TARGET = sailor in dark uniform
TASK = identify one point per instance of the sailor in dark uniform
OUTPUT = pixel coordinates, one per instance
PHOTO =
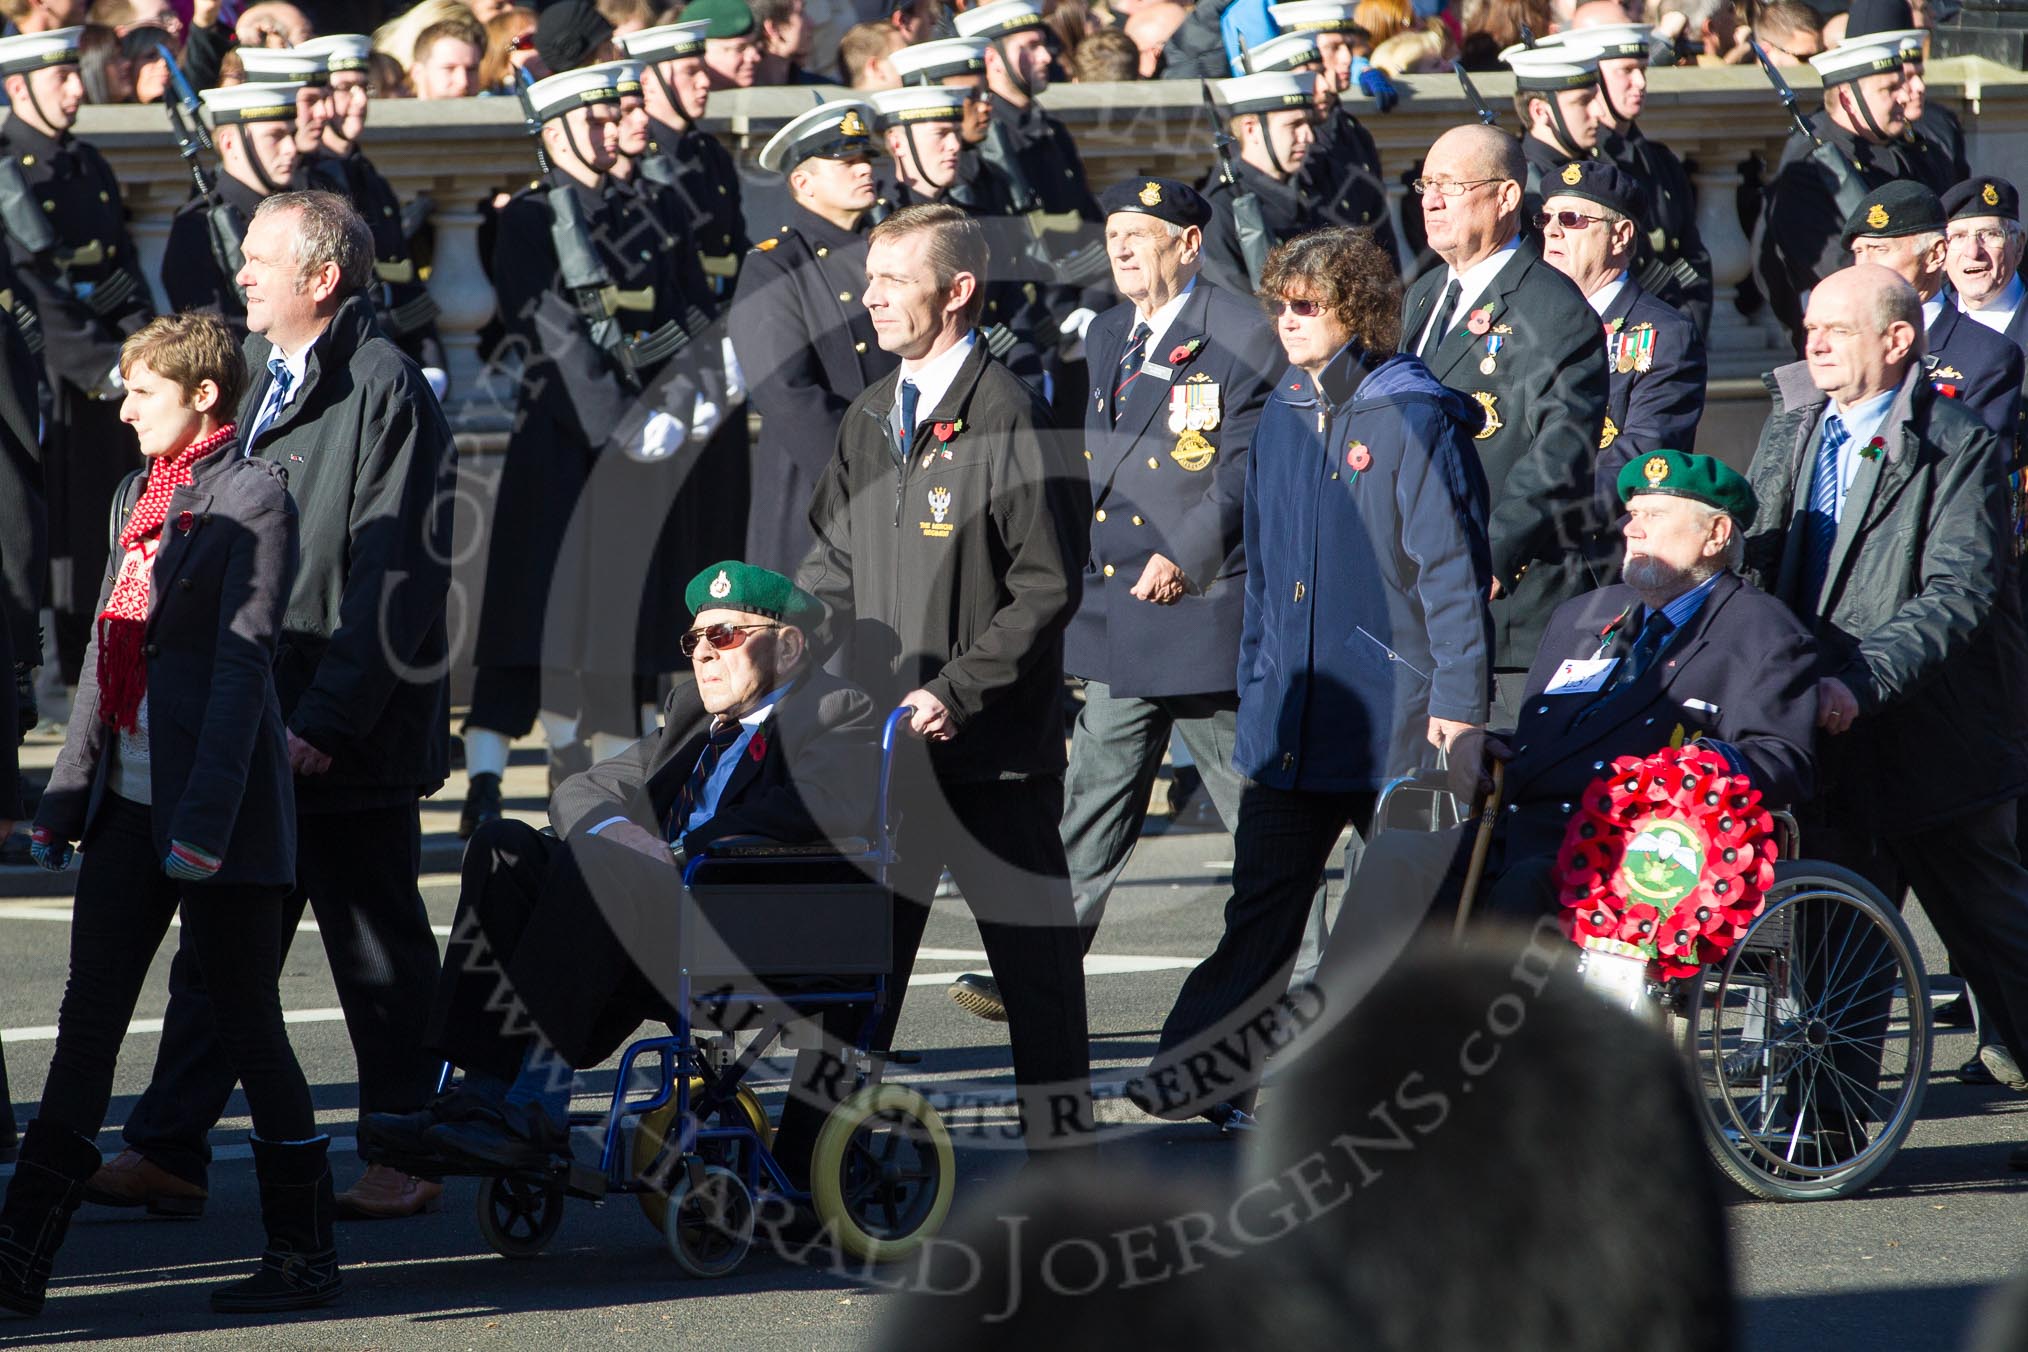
(799, 325)
(76, 268)
(1806, 202)
(1670, 260)
(613, 409)
(675, 87)
(1589, 223)
(1901, 227)
(1933, 147)
(1017, 72)
(254, 128)
(1556, 95)
(401, 302)
(1269, 117)
(960, 64)
(1341, 174)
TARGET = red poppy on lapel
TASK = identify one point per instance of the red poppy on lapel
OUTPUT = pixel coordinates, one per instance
(757, 747)
(184, 521)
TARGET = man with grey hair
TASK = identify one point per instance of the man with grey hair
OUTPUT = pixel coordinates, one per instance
(361, 671)
(1884, 526)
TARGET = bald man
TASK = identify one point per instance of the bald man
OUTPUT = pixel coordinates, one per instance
(1884, 526)
(1151, 27)
(1501, 325)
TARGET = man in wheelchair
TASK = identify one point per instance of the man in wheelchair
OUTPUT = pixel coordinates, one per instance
(554, 955)
(1682, 649)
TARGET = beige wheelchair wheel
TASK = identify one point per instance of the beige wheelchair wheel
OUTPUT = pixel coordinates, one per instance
(882, 1172)
(744, 1111)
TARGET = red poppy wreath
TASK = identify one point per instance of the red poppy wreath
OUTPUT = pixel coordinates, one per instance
(1670, 855)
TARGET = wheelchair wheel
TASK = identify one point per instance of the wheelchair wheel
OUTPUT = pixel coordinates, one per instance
(882, 1172)
(653, 1128)
(1811, 1040)
(710, 1226)
(518, 1216)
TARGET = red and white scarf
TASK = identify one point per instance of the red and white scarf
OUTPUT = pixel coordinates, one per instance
(122, 672)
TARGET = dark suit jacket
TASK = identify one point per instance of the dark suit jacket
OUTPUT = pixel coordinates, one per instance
(813, 779)
(218, 757)
(1157, 488)
(1546, 401)
(1976, 366)
(1655, 409)
(1742, 672)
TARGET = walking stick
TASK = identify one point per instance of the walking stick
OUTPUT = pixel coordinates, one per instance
(1482, 845)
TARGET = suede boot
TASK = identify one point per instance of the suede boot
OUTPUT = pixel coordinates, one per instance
(299, 1268)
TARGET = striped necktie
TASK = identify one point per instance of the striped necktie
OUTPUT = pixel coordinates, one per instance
(1130, 365)
(271, 407)
(1820, 521)
(715, 746)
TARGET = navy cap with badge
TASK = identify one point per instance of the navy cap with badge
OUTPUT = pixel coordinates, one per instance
(1982, 196)
(1894, 210)
(21, 53)
(839, 130)
(1600, 181)
(1166, 199)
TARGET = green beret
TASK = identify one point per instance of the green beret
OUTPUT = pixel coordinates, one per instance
(728, 18)
(1701, 478)
(733, 585)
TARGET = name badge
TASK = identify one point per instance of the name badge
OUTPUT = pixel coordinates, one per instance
(1581, 675)
(1159, 372)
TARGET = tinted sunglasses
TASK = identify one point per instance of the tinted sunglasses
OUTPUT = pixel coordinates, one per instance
(1568, 220)
(1305, 309)
(723, 637)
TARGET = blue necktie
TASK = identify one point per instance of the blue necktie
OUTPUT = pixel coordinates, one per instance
(278, 394)
(910, 395)
(1131, 361)
(692, 796)
(1820, 521)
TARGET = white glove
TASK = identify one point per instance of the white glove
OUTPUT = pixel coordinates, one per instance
(439, 381)
(1076, 322)
(705, 417)
(735, 379)
(661, 437)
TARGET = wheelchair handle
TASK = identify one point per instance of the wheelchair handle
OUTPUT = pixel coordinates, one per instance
(889, 731)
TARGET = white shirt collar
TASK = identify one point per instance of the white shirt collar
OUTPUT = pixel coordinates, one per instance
(1931, 310)
(933, 378)
(1603, 298)
(1472, 284)
(1998, 313)
(1159, 322)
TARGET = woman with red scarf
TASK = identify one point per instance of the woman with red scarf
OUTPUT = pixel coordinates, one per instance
(175, 779)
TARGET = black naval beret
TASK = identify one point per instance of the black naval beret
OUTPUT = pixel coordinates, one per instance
(1865, 17)
(1166, 199)
(1982, 196)
(1599, 181)
(1892, 210)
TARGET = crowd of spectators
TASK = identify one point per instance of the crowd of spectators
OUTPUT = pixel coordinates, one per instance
(448, 49)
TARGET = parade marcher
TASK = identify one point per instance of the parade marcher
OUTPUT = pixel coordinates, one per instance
(960, 64)
(1341, 174)
(67, 238)
(254, 129)
(1805, 204)
(1599, 689)
(760, 744)
(799, 325)
(1269, 117)
(681, 155)
(620, 391)
(1184, 369)
(199, 820)
(1933, 147)
(1901, 227)
(1500, 324)
(1366, 646)
(1589, 223)
(959, 613)
(361, 669)
(1885, 528)
(1983, 240)
(1556, 96)
(1044, 155)
(1671, 263)
(401, 302)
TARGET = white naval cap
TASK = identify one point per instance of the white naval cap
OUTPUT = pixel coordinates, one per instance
(626, 74)
(667, 42)
(340, 51)
(1266, 92)
(1851, 61)
(282, 65)
(25, 52)
(836, 130)
(928, 62)
(919, 103)
(1614, 39)
(1284, 51)
(998, 19)
(1314, 16)
(253, 101)
(1564, 64)
(558, 94)
(1903, 39)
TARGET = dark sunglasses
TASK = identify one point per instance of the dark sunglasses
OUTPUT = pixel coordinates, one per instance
(723, 637)
(1568, 220)
(1305, 309)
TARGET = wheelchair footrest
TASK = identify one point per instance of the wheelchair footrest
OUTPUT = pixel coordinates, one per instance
(585, 1182)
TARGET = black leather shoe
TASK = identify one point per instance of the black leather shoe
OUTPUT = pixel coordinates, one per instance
(1955, 1013)
(1974, 1072)
(402, 1136)
(482, 804)
(524, 1138)
(2006, 1071)
(979, 995)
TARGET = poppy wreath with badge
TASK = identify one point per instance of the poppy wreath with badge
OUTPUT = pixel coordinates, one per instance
(1669, 856)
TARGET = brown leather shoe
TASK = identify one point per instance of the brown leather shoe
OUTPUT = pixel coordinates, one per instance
(384, 1194)
(132, 1179)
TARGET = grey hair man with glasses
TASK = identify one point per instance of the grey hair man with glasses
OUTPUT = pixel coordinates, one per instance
(1982, 234)
(1500, 324)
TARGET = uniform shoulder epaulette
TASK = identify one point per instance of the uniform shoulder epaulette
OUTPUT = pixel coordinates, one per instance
(764, 245)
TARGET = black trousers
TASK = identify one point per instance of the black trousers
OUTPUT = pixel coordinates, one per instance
(1000, 841)
(506, 700)
(357, 872)
(233, 934)
(1280, 850)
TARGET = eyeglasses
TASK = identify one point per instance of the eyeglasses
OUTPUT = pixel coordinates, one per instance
(1991, 238)
(1306, 309)
(1567, 220)
(723, 637)
(1449, 187)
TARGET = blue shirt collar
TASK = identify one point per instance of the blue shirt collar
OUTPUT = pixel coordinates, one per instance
(1681, 610)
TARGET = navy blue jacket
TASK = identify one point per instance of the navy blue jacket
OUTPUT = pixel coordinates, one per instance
(1647, 410)
(1161, 487)
(1976, 366)
(1366, 609)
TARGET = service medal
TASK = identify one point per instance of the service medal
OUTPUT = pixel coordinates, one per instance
(1192, 451)
(1609, 434)
(1488, 403)
(1643, 341)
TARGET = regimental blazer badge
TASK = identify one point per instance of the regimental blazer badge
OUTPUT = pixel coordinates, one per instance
(1490, 404)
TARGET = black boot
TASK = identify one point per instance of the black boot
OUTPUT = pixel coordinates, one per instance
(482, 804)
(299, 1269)
(48, 1185)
